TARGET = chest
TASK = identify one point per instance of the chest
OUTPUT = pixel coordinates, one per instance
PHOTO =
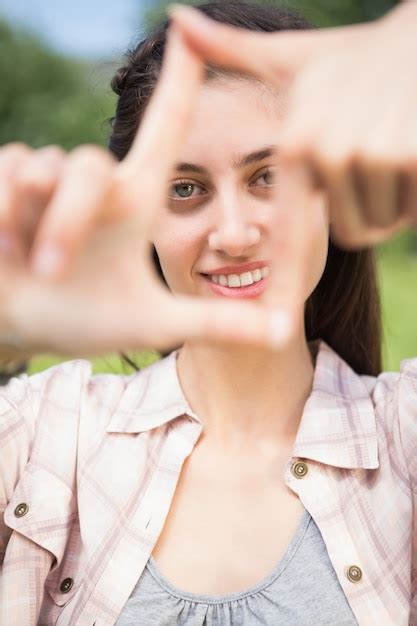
(221, 535)
(210, 526)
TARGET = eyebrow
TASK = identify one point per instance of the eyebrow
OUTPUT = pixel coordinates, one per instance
(239, 160)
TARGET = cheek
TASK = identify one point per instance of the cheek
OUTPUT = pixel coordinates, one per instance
(177, 245)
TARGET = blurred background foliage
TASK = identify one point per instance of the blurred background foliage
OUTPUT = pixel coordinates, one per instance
(322, 13)
(47, 98)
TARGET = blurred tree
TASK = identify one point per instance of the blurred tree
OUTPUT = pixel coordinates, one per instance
(329, 13)
(319, 12)
(46, 98)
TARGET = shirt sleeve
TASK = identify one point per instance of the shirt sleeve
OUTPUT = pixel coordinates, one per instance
(407, 414)
(22, 401)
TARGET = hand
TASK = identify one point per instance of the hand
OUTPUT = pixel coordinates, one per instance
(75, 269)
(351, 125)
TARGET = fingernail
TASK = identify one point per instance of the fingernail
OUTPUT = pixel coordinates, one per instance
(280, 328)
(47, 261)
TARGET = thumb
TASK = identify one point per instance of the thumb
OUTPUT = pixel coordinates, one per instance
(267, 55)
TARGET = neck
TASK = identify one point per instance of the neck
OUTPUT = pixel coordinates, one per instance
(246, 396)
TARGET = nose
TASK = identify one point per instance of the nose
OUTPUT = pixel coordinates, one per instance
(233, 234)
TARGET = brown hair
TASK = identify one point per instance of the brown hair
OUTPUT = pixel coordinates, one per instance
(344, 308)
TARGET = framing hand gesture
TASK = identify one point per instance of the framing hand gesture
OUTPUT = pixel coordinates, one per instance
(76, 271)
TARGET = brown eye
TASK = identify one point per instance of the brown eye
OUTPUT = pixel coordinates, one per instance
(183, 190)
(270, 178)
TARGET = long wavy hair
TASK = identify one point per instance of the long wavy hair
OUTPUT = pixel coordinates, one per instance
(344, 308)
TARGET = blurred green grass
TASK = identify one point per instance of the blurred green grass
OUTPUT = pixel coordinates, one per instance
(397, 263)
(397, 269)
(111, 363)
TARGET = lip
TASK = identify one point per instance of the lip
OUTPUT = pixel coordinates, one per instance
(250, 291)
(238, 269)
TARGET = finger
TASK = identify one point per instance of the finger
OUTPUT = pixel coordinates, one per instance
(295, 223)
(378, 182)
(12, 157)
(375, 235)
(144, 173)
(173, 320)
(349, 227)
(73, 210)
(218, 321)
(267, 55)
(39, 173)
(36, 182)
(168, 321)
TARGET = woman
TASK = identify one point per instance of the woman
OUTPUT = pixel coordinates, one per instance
(223, 484)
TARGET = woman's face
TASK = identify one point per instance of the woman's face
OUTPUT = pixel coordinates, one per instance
(218, 216)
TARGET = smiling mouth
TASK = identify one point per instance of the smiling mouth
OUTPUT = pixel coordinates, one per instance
(238, 281)
(236, 290)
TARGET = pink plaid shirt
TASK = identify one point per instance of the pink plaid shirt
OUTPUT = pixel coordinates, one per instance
(89, 466)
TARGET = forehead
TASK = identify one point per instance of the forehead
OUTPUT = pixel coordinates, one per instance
(231, 116)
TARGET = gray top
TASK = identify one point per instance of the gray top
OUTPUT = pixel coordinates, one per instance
(301, 590)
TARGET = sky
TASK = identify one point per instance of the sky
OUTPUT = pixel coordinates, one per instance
(97, 29)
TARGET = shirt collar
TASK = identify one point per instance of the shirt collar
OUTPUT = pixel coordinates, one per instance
(337, 426)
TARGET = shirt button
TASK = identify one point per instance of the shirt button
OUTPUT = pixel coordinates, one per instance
(354, 573)
(66, 585)
(21, 509)
(299, 469)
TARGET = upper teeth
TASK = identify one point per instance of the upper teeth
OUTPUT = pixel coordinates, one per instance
(240, 280)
